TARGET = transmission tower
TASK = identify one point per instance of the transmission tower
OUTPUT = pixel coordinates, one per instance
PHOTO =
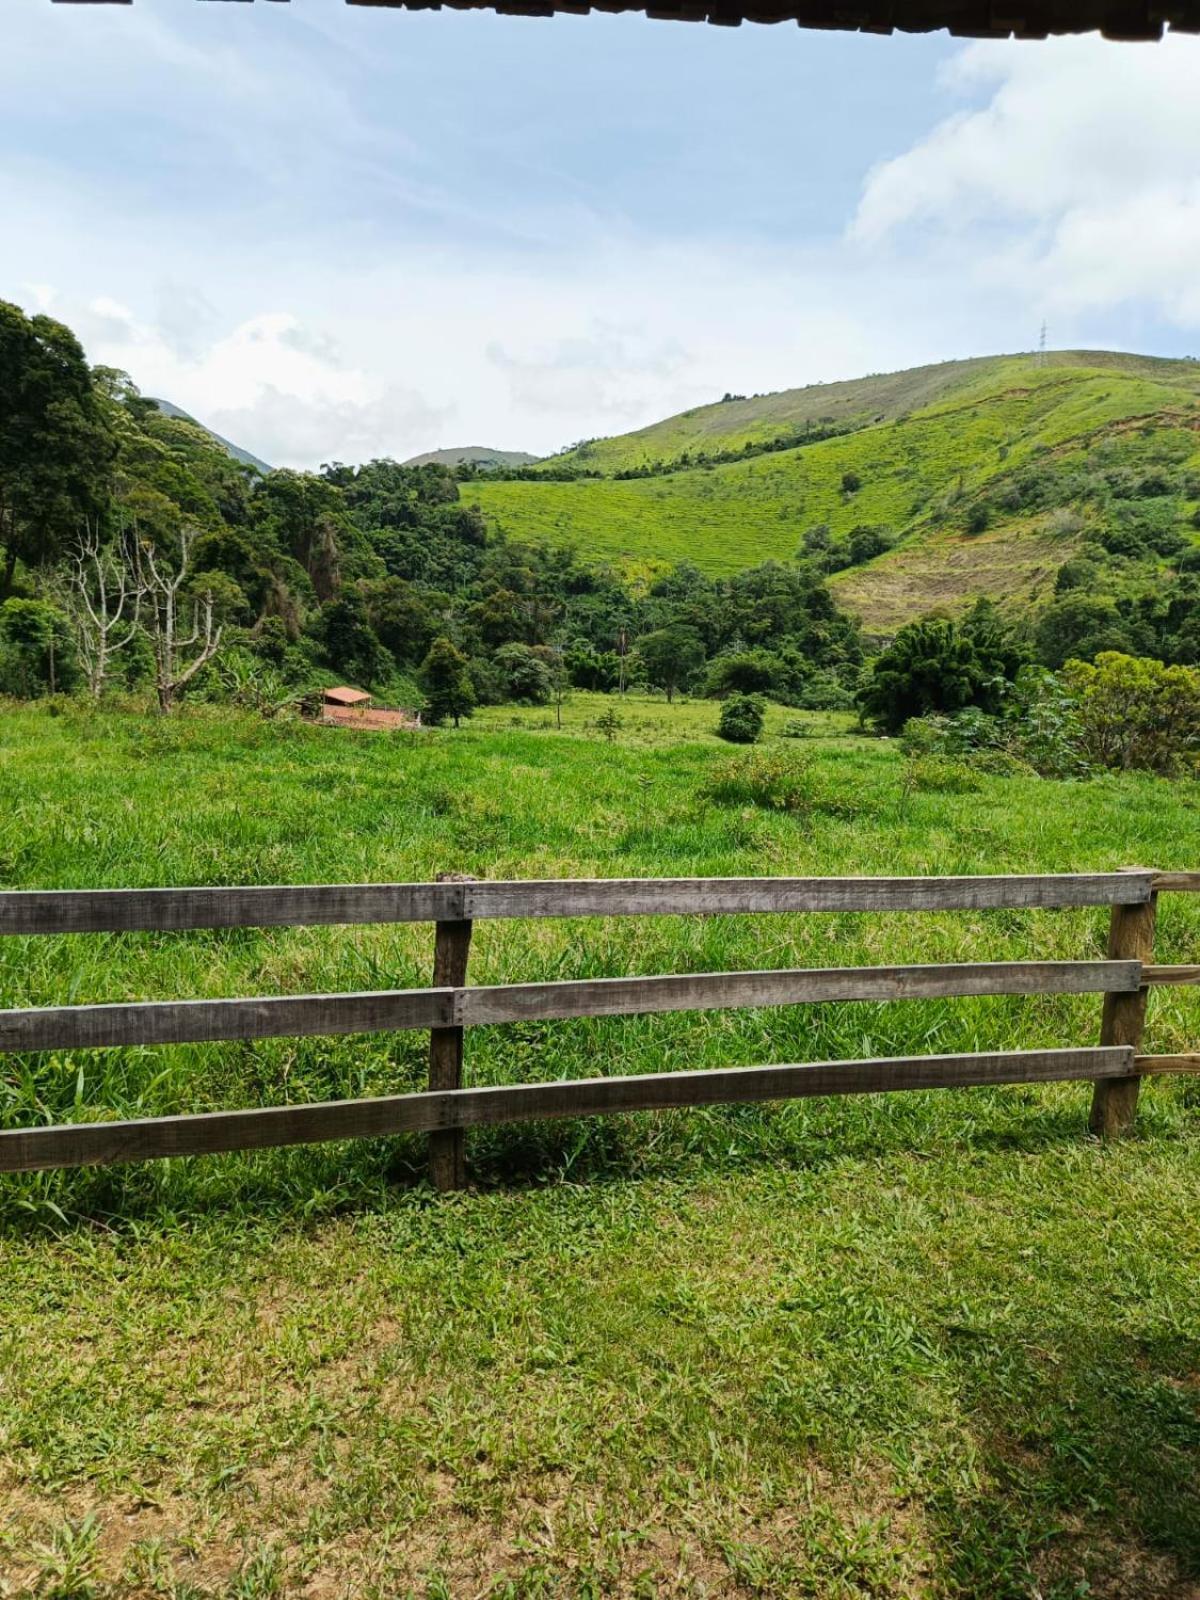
(1041, 356)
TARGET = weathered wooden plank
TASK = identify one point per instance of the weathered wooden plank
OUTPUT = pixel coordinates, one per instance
(447, 1150)
(1153, 1065)
(191, 1021)
(1130, 937)
(1178, 882)
(713, 896)
(169, 910)
(1157, 973)
(27, 1150)
(610, 997)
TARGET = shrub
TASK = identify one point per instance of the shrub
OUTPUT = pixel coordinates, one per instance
(741, 719)
(1136, 712)
(979, 517)
(941, 775)
(776, 780)
(851, 483)
(943, 666)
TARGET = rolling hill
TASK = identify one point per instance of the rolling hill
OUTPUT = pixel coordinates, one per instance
(941, 457)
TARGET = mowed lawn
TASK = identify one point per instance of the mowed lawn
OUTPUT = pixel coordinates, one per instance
(939, 1345)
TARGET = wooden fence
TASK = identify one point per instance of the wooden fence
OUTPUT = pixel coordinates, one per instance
(450, 1006)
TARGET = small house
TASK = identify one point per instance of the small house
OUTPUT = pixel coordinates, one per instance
(345, 707)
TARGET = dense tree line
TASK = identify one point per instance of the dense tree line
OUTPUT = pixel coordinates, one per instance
(135, 551)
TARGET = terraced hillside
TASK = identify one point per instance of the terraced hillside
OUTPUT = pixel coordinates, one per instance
(931, 474)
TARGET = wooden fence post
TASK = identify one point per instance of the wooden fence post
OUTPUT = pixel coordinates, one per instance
(452, 947)
(1130, 938)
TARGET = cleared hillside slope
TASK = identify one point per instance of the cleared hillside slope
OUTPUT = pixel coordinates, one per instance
(920, 473)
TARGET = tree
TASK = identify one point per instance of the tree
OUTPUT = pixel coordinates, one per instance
(102, 597)
(352, 645)
(55, 449)
(741, 719)
(182, 618)
(851, 483)
(35, 649)
(937, 665)
(1136, 712)
(446, 679)
(671, 658)
(527, 678)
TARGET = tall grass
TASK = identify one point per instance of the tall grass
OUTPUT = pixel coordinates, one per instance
(210, 798)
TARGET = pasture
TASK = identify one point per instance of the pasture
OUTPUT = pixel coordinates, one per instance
(939, 1345)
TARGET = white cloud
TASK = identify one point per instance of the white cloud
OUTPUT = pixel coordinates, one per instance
(1080, 177)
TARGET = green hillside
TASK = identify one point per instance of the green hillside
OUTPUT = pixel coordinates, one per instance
(983, 428)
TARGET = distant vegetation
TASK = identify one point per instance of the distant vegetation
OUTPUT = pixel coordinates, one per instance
(138, 556)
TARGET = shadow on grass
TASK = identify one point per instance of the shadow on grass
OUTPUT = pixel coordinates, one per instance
(1089, 1480)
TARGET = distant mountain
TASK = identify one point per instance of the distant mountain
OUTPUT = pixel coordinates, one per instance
(235, 450)
(478, 455)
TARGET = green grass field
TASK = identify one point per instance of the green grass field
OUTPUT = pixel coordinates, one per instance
(936, 1345)
(1009, 414)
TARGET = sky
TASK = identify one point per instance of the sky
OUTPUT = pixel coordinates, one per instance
(334, 233)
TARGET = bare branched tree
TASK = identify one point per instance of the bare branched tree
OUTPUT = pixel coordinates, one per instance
(180, 620)
(101, 593)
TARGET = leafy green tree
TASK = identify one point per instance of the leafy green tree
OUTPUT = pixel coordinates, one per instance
(527, 677)
(937, 665)
(37, 653)
(741, 719)
(671, 657)
(446, 679)
(55, 449)
(851, 483)
(865, 543)
(1136, 712)
(351, 644)
(1080, 624)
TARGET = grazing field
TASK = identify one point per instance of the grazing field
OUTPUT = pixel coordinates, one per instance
(938, 1345)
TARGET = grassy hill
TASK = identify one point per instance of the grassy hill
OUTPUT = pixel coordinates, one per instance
(925, 446)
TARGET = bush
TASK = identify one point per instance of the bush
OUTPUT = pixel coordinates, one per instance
(979, 517)
(776, 780)
(940, 666)
(1136, 712)
(741, 719)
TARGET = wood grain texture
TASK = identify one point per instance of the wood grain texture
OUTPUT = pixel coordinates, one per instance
(169, 910)
(1172, 975)
(720, 896)
(193, 1021)
(173, 910)
(612, 997)
(447, 1150)
(27, 1150)
(445, 1009)
(1130, 937)
(1177, 882)
(1153, 1065)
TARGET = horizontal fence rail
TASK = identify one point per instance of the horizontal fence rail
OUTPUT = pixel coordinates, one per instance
(90, 1144)
(383, 1011)
(174, 910)
(451, 1006)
